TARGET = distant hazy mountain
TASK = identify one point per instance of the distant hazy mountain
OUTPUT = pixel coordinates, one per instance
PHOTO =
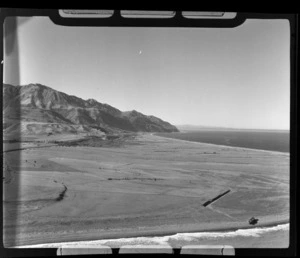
(56, 111)
(203, 127)
(187, 127)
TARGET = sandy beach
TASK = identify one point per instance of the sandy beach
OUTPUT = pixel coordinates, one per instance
(148, 186)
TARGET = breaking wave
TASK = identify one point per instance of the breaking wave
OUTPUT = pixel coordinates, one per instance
(182, 237)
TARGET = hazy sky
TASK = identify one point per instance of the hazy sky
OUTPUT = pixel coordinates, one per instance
(229, 77)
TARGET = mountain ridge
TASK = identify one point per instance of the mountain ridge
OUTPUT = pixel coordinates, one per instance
(37, 103)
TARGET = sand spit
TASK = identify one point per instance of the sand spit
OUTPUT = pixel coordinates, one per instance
(114, 191)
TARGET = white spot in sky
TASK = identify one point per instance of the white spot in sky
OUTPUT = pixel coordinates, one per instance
(140, 52)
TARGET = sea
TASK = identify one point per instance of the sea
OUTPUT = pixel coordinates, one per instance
(254, 139)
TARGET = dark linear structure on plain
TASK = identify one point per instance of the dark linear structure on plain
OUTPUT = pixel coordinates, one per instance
(216, 198)
(62, 194)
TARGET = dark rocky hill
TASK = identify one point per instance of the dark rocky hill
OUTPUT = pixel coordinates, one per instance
(38, 104)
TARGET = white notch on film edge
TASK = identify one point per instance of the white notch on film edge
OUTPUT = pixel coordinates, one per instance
(208, 15)
(147, 14)
(70, 13)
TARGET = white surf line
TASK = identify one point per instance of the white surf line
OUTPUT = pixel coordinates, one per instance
(224, 146)
(160, 240)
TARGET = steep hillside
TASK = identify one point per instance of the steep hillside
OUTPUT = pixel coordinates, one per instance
(148, 123)
(36, 104)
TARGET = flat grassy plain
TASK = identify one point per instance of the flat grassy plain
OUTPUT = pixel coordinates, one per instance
(145, 185)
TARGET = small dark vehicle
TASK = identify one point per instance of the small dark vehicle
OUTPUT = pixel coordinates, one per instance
(253, 221)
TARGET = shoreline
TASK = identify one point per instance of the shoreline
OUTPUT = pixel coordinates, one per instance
(111, 236)
(227, 146)
(202, 220)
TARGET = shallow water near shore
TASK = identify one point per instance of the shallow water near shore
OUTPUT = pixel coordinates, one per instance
(274, 237)
(263, 140)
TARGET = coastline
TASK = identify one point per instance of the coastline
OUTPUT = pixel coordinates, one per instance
(150, 208)
(224, 146)
(158, 237)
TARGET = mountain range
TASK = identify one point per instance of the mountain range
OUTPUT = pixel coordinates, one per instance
(41, 109)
